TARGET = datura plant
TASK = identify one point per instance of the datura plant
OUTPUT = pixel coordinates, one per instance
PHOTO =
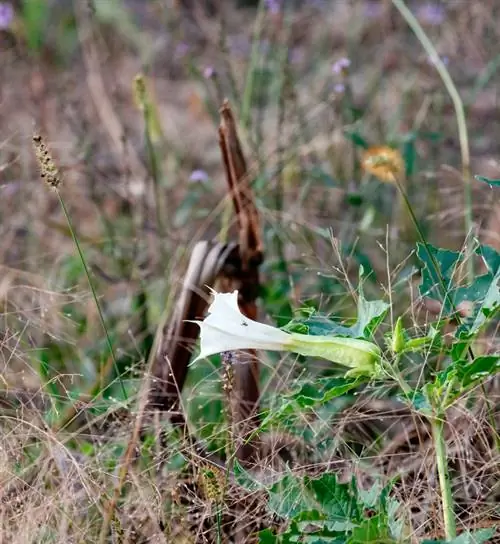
(227, 329)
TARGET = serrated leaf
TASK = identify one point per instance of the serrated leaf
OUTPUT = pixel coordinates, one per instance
(321, 390)
(483, 293)
(437, 284)
(268, 537)
(478, 370)
(489, 181)
(289, 497)
(245, 479)
(338, 501)
(370, 314)
(371, 530)
(463, 375)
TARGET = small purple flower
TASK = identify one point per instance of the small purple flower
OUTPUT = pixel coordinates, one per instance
(181, 50)
(209, 72)
(431, 13)
(339, 88)
(274, 6)
(445, 60)
(6, 15)
(341, 66)
(373, 9)
(297, 55)
(199, 176)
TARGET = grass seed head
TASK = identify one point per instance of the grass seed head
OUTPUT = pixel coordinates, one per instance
(48, 168)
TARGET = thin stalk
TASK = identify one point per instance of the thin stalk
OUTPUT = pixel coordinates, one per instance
(92, 289)
(155, 175)
(279, 192)
(458, 105)
(246, 101)
(437, 424)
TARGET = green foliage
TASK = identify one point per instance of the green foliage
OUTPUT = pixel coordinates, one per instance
(35, 14)
(459, 377)
(306, 395)
(370, 315)
(475, 537)
(438, 283)
(489, 181)
(325, 510)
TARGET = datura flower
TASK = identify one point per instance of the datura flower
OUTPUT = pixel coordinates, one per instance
(227, 329)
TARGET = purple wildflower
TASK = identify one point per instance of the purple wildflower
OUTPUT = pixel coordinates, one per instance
(373, 9)
(6, 15)
(445, 60)
(209, 72)
(274, 6)
(297, 55)
(431, 13)
(199, 176)
(339, 88)
(181, 50)
(341, 66)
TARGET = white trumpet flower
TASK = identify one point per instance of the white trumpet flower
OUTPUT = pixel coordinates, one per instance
(227, 329)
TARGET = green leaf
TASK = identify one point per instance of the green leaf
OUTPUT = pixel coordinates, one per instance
(478, 370)
(316, 392)
(268, 537)
(337, 500)
(491, 182)
(356, 138)
(289, 497)
(421, 402)
(458, 377)
(476, 537)
(370, 314)
(325, 510)
(245, 479)
(483, 293)
(371, 530)
(467, 374)
(437, 284)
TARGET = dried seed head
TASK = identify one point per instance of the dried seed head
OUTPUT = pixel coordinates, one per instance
(139, 91)
(48, 168)
(213, 484)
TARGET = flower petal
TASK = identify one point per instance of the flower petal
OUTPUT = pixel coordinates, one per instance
(227, 329)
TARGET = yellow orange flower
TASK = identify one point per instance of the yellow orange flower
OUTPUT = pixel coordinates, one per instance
(383, 162)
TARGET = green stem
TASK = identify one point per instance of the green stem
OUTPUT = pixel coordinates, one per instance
(435, 264)
(437, 423)
(93, 291)
(458, 105)
(246, 102)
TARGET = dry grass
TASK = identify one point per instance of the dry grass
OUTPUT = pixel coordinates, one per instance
(59, 460)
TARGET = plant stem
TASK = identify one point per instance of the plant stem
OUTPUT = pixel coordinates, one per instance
(435, 264)
(93, 291)
(458, 105)
(437, 423)
(246, 101)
